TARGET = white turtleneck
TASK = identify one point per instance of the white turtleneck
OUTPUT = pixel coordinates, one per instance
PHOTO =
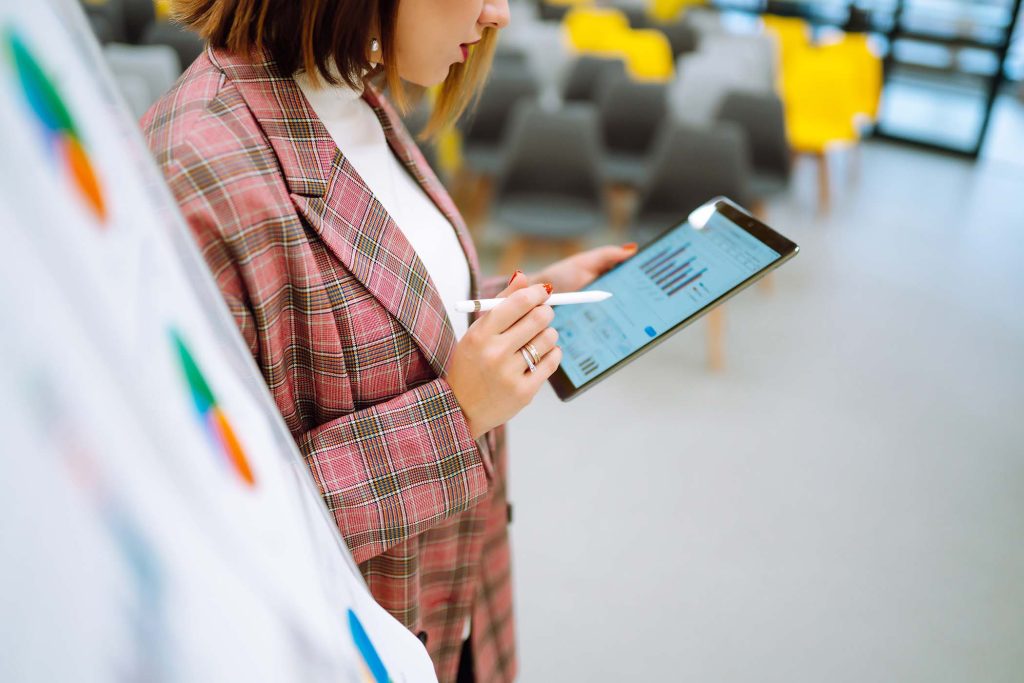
(358, 133)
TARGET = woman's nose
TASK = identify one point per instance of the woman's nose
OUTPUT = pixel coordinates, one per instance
(495, 14)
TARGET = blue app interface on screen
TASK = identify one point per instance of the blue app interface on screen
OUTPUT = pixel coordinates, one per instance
(681, 273)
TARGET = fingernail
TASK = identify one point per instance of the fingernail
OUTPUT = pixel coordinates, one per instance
(630, 246)
(548, 287)
(514, 275)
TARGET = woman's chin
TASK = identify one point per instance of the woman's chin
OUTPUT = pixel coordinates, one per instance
(429, 80)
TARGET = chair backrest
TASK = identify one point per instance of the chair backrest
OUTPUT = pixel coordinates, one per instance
(751, 60)
(691, 166)
(705, 21)
(763, 121)
(669, 10)
(701, 83)
(138, 15)
(588, 75)
(136, 92)
(486, 122)
(682, 37)
(631, 115)
(107, 18)
(648, 55)
(187, 44)
(595, 28)
(553, 153)
(156, 65)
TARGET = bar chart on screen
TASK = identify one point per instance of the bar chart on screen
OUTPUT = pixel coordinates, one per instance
(673, 269)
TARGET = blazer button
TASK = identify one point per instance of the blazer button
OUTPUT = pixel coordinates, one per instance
(422, 635)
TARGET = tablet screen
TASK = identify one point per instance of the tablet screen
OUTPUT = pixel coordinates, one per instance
(673, 278)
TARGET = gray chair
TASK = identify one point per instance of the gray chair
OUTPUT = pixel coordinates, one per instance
(156, 66)
(107, 20)
(682, 37)
(588, 75)
(691, 166)
(637, 16)
(751, 60)
(550, 188)
(631, 115)
(187, 44)
(762, 119)
(484, 125)
(138, 15)
(510, 56)
(702, 82)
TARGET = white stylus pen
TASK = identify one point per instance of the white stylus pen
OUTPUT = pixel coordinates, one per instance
(474, 305)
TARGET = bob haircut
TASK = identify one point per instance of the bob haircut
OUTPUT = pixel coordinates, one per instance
(329, 39)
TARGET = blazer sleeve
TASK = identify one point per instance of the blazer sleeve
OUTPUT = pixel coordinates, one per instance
(387, 472)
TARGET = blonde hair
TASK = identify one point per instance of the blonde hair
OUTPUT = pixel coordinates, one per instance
(333, 33)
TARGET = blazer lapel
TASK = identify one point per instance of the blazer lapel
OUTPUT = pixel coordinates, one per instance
(342, 210)
(405, 148)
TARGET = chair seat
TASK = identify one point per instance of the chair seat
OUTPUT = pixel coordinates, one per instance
(549, 216)
(625, 169)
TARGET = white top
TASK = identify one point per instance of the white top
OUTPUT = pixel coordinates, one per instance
(357, 132)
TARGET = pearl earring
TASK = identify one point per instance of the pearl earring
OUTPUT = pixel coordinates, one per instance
(374, 45)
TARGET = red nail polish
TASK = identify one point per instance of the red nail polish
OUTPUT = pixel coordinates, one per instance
(518, 272)
(630, 246)
(548, 287)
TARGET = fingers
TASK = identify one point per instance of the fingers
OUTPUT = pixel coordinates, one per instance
(547, 366)
(515, 283)
(542, 343)
(516, 305)
(528, 327)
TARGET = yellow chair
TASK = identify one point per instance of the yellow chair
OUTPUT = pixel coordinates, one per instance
(867, 73)
(821, 107)
(793, 34)
(648, 55)
(669, 10)
(595, 29)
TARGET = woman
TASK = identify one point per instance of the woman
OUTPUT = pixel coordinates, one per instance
(339, 253)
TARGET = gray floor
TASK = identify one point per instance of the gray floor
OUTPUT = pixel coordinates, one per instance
(845, 502)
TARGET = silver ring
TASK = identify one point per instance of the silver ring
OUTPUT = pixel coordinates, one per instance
(529, 361)
(533, 352)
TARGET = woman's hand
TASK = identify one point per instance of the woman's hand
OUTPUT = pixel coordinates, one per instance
(488, 373)
(579, 270)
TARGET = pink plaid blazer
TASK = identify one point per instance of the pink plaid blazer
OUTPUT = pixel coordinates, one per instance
(353, 341)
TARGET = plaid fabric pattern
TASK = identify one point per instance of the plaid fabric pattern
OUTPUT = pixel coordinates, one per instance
(353, 340)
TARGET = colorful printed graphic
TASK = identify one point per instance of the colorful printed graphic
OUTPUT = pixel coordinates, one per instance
(58, 127)
(374, 665)
(210, 414)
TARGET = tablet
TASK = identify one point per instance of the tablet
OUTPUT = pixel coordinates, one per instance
(676, 278)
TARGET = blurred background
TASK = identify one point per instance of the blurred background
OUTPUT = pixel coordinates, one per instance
(825, 479)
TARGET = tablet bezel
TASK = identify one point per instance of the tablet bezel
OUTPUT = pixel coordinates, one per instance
(786, 249)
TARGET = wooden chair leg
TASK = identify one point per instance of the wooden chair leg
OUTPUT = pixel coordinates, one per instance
(620, 198)
(716, 339)
(512, 255)
(478, 203)
(824, 182)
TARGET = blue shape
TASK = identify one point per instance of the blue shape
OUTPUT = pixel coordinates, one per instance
(650, 331)
(366, 649)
